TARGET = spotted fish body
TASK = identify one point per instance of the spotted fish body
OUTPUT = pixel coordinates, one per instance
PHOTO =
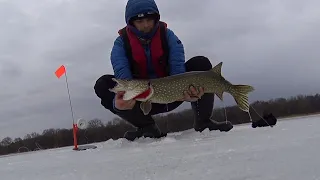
(170, 89)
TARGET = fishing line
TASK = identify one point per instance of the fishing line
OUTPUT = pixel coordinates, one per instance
(83, 124)
(260, 116)
(84, 134)
(225, 111)
(24, 148)
(167, 118)
(38, 146)
(250, 116)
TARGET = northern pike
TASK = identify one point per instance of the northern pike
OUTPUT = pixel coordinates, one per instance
(170, 89)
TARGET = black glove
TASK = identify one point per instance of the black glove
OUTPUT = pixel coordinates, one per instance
(268, 120)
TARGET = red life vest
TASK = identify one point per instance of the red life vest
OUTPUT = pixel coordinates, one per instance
(136, 54)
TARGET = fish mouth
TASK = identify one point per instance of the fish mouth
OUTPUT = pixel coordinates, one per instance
(132, 90)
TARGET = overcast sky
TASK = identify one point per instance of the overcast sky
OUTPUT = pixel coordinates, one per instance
(272, 45)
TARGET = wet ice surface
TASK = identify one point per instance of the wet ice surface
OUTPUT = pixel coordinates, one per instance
(287, 151)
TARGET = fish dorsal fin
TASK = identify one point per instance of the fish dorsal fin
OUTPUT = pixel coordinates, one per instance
(217, 68)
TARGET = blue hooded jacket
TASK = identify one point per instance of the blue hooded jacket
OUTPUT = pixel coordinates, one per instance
(119, 60)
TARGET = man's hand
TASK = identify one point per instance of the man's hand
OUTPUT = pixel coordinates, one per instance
(123, 104)
(193, 94)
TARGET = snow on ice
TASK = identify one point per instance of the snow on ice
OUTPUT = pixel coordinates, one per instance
(287, 151)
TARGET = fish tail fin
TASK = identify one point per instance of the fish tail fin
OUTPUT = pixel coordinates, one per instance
(240, 95)
(239, 92)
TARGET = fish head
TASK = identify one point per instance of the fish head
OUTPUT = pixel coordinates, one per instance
(133, 89)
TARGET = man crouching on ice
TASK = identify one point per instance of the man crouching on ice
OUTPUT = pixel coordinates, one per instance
(146, 48)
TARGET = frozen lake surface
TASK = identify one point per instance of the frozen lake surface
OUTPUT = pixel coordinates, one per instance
(288, 151)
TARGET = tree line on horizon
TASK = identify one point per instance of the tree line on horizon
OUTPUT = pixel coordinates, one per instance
(97, 131)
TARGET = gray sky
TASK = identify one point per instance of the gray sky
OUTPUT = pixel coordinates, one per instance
(272, 45)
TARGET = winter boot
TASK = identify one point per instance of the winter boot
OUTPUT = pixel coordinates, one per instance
(145, 124)
(267, 120)
(151, 131)
(202, 112)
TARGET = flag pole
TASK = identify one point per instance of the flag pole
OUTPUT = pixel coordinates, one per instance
(59, 72)
(74, 126)
(67, 85)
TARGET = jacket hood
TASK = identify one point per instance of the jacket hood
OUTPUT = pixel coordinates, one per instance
(135, 7)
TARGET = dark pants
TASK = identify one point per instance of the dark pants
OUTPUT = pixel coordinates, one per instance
(135, 116)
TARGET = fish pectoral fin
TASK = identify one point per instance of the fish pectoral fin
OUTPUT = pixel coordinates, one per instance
(217, 68)
(146, 107)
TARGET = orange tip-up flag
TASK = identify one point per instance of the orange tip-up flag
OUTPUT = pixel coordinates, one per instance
(60, 71)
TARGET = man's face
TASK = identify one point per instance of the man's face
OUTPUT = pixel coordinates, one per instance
(144, 25)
